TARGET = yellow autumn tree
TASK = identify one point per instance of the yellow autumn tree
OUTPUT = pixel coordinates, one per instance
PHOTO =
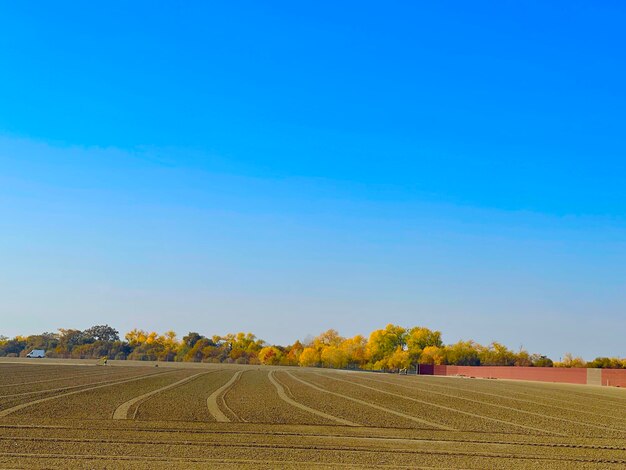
(152, 337)
(433, 355)
(400, 359)
(328, 338)
(334, 357)
(136, 336)
(310, 357)
(355, 350)
(169, 344)
(570, 361)
(383, 343)
(292, 357)
(270, 355)
(419, 338)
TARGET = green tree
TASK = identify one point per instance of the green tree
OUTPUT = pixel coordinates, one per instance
(101, 333)
(13, 347)
(538, 360)
(607, 363)
(463, 353)
(192, 338)
(496, 354)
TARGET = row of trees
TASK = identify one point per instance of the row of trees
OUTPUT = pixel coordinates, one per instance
(391, 348)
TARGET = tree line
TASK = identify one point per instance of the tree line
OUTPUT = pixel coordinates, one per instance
(391, 348)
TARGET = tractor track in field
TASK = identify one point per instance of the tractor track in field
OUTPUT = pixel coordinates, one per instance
(558, 394)
(70, 387)
(373, 405)
(204, 431)
(219, 396)
(328, 436)
(360, 450)
(420, 386)
(121, 412)
(91, 374)
(293, 418)
(603, 406)
(19, 407)
(280, 388)
(471, 400)
(443, 407)
(272, 463)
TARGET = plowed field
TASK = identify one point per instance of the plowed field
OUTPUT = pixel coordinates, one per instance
(132, 415)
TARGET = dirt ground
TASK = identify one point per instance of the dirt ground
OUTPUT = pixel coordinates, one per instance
(77, 414)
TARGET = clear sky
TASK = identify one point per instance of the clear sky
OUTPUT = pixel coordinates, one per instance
(288, 167)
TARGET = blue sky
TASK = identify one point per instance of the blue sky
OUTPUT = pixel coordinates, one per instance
(284, 168)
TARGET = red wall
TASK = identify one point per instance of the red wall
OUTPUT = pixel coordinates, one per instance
(541, 374)
(426, 369)
(614, 377)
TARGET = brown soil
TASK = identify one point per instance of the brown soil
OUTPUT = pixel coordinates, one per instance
(299, 418)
